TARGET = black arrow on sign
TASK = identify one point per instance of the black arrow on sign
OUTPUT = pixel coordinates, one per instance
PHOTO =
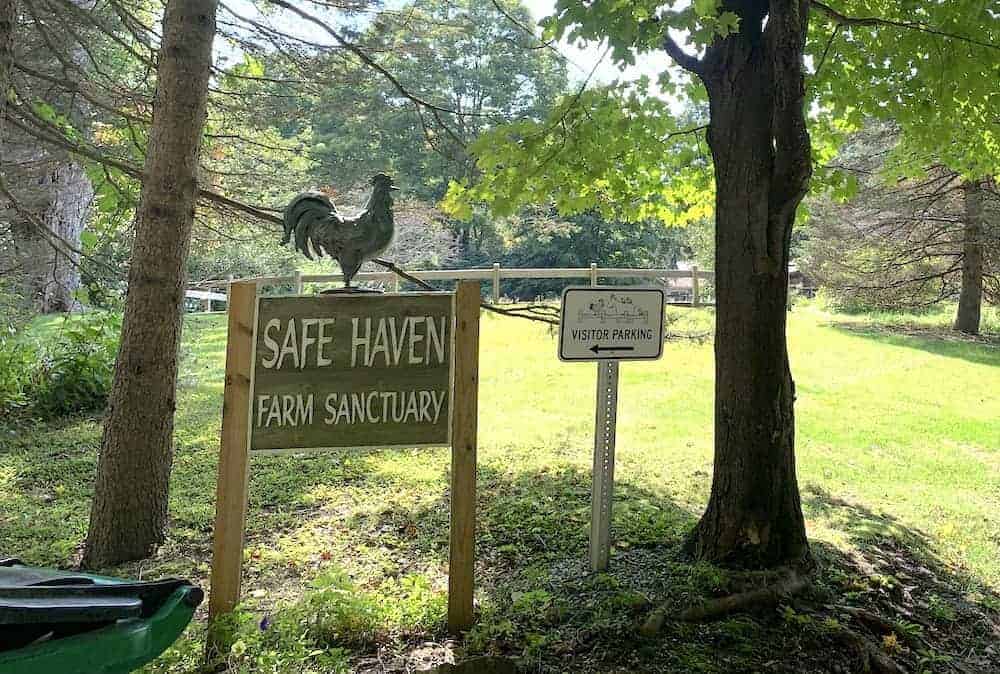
(597, 349)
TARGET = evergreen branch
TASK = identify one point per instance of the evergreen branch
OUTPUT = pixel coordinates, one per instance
(435, 110)
(76, 87)
(88, 17)
(53, 136)
(59, 244)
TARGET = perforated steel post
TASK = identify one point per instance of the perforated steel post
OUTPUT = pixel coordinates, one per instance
(604, 464)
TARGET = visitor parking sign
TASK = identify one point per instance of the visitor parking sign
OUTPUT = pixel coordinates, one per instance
(611, 323)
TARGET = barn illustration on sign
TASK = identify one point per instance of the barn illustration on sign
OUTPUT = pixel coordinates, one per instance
(616, 308)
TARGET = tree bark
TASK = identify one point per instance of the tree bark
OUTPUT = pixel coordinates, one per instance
(762, 158)
(57, 193)
(129, 512)
(970, 300)
(8, 19)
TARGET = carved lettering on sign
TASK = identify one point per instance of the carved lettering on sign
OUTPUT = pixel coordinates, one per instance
(352, 371)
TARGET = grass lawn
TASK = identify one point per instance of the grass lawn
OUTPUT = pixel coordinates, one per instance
(898, 427)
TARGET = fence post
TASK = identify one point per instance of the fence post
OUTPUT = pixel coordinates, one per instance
(395, 282)
(298, 282)
(229, 287)
(206, 305)
(496, 283)
(593, 273)
(695, 299)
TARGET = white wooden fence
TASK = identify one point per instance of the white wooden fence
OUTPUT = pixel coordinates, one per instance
(679, 283)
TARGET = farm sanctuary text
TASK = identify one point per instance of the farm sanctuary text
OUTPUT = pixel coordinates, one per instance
(351, 371)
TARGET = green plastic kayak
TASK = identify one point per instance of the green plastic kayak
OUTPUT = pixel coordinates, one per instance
(59, 622)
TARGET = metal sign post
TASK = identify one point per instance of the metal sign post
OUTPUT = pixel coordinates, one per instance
(604, 464)
(607, 325)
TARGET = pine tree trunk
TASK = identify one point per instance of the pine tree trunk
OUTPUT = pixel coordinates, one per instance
(762, 160)
(970, 301)
(129, 512)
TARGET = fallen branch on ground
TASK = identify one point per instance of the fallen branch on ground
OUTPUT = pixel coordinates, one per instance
(697, 336)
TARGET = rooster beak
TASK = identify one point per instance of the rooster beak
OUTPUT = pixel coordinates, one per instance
(393, 188)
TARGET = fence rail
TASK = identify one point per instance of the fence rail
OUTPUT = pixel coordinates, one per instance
(671, 278)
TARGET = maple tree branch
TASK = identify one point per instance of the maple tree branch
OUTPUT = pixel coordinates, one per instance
(826, 50)
(684, 132)
(842, 19)
(682, 58)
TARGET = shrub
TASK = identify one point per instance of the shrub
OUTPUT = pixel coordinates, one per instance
(75, 371)
(18, 360)
(335, 618)
(15, 307)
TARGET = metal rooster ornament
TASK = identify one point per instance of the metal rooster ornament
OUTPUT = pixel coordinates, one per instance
(314, 221)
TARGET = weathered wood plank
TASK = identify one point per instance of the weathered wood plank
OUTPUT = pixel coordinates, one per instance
(465, 416)
(352, 371)
(231, 488)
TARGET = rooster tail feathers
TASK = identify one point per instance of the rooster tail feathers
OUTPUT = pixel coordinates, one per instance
(301, 215)
(302, 237)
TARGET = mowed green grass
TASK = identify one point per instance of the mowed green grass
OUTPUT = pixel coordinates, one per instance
(898, 434)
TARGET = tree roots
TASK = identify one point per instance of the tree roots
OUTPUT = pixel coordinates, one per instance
(873, 658)
(714, 609)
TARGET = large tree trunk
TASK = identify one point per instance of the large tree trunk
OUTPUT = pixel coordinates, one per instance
(65, 216)
(129, 513)
(970, 301)
(761, 154)
(56, 194)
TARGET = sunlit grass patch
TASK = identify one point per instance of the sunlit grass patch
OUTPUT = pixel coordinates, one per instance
(898, 458)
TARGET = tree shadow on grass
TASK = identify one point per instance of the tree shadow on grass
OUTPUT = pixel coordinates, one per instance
(539, 603)
(537, 600)
(944, 617)
(984, 349)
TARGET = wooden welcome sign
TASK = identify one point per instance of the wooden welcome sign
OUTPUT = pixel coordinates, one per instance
(348, 371)
(352, 371)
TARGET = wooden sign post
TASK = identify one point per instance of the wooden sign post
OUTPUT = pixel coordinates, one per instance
(464, 420)
(343, 371)
(234, 464)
